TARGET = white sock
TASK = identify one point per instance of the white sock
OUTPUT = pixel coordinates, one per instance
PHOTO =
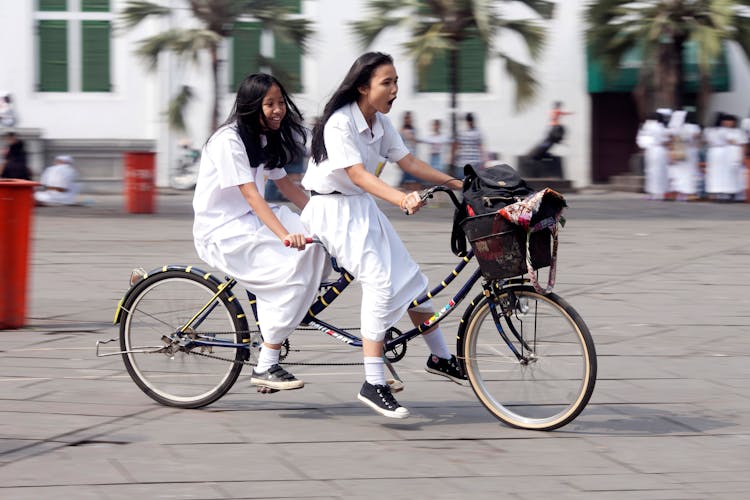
(267, 358)
(374, 370)
(436, 343)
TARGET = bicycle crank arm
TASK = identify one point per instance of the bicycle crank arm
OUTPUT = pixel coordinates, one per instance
(396, 384)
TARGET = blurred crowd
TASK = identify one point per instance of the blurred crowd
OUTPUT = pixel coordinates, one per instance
(685, 162)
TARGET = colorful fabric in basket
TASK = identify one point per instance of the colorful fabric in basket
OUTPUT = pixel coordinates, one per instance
(538, 211)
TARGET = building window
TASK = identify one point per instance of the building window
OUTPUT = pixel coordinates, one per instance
(245, 52)
(53, 5)
(472, 54)
(255, 49)
(73, 45)
(287, 58)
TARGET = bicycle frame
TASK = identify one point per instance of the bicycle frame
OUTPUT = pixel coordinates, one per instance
(353, 340)
(334, 289)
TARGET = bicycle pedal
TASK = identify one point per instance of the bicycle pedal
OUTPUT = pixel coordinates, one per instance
(396, 385)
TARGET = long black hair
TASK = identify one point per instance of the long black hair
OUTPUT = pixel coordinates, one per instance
(283, 145)
(359, 75)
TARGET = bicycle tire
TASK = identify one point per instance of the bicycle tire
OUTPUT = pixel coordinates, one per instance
(555, 385)
(160, 305)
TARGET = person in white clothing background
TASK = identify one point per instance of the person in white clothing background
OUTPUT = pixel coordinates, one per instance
(350, 145)
(438, 142)
(684, 159)
(724, 160)
(59, 183)
(238, 232)
(653, 138)
(736, 152)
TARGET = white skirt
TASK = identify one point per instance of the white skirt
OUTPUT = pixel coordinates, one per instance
(684, 177)
(284, 280)
(657, 177)
(721, 171)
(364, 242)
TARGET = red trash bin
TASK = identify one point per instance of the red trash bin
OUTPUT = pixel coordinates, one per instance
(140, 189)
(16, 209)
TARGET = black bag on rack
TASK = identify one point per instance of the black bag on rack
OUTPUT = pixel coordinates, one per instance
(485, 191)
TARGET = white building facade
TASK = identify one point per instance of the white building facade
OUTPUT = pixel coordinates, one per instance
(98, 112)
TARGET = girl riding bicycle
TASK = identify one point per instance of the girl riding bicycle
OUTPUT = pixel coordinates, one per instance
(350, 146)
(238, 232)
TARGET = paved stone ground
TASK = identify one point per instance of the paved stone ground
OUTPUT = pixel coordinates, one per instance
(662, 286)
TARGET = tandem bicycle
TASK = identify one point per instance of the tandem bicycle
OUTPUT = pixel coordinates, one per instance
(530, 359)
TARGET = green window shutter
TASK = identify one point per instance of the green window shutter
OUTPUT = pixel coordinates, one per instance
(471, 57)
(95, 36)
(95, 5)
(434, 78)
(53, 56)
(245, 53)
(288, 59)
(472, 54)
(53, 5)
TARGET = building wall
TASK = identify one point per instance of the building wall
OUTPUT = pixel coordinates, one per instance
(132, 115)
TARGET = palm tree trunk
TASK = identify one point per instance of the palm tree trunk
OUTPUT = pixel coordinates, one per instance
(704, 93)
(663, 78)
(214, 121)
(679, 97)
(453, 86)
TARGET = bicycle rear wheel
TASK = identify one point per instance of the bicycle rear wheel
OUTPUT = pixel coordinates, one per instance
(554, 378)
(164, 358)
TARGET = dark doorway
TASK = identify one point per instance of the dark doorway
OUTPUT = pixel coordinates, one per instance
(614, 125)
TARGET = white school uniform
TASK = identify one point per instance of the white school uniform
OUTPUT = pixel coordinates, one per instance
(715, 163)
(724, 160)
(684, 172)
(736, 158)
(229, 236)
(653, 137)
(353, 228)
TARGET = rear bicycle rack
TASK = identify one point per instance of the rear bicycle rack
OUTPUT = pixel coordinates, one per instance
(141, 350)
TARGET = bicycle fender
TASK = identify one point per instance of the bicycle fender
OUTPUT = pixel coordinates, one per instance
(188, 269)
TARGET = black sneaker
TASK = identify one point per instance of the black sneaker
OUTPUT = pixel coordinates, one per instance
(380, 399)
(276, 378)
(449, 368)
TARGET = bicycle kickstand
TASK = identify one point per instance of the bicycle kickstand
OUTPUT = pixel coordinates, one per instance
(396, 384)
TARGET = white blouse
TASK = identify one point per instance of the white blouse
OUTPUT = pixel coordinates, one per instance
(218, 201)
(349, 141)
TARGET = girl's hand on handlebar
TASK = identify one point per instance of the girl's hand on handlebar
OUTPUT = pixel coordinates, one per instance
(412, 202)
(296, 240)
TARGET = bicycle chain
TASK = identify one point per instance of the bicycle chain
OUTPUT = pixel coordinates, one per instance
(250, 363)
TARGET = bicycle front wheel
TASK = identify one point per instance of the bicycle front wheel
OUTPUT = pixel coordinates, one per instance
(530, 358)
(166, 322)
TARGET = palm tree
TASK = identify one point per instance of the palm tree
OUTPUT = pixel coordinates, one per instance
(439, 26)
(661, 29)
(216, 19)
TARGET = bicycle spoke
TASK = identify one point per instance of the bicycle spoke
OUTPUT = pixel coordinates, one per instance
(187, 373)
(552, 380)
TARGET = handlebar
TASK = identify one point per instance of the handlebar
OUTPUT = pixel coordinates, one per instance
(428, 193)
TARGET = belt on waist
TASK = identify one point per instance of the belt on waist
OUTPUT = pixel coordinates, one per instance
(315, 193)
